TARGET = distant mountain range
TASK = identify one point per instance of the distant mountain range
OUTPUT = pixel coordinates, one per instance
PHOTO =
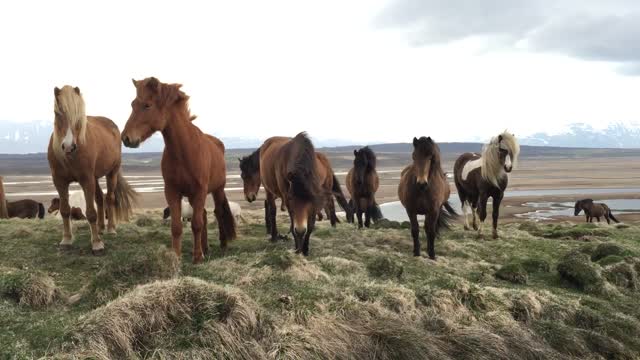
(33, 137)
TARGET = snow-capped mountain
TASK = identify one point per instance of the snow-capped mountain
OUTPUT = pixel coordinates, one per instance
(616, 135)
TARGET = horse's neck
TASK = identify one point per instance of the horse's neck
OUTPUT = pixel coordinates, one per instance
(179, 136)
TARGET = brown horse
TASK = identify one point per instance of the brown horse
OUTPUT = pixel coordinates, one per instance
(362, 183)
(288, 169)
(424, 190)
(25, 209)
(478, 177)
(3, 202)
(250, 174)
(76, 212)
(85, 148)
(192, 164)
(594, 210)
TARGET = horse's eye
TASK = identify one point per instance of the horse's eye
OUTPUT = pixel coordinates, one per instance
(147, 106)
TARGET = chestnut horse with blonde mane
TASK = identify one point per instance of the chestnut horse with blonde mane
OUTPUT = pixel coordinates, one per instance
(192, 164)
(289, 169)
(83, 149)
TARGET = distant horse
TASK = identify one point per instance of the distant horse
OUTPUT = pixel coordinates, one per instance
(192, 164)
(85, 148)
(25, 209)
(76, 212)
(362, 183)
(594, 210)
(288, 169)
(478, 177)
(250, 172)
(424, 190)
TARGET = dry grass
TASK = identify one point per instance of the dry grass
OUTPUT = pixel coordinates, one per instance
(28, 288)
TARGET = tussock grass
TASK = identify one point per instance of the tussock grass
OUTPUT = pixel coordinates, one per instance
(28, 288)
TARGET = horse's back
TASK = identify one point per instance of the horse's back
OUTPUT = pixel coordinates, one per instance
(324, 170)
(24, 209)
(461, 161)
(269, 153)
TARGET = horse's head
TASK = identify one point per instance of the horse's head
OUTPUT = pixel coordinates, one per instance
(508, 151)
(426, 156)
(250, 174)
(363, 162)
(70, 120)
(55, 205)
(580, 205)
(154, 106)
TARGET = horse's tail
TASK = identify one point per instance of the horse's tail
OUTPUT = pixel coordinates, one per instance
(126, 199)
(447, 215)
(342, 200)
(611, 214)
(40, 211)
(375, 214)
(226, 220)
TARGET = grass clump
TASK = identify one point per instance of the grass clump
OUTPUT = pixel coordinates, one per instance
(607, 249)
(282, 259)
(384, 267)
(514, 273)
(33, 289)
(623, 275)
(577, 268)
(533, 266)
(609, 260)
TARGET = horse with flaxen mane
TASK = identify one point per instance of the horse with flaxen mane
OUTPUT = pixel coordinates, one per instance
(25, 209)
(424, 190)
(85, 148)
(289, 169)
(250, 174)
(192, 163)
(594, 210)
(478, 177)
(362, 184)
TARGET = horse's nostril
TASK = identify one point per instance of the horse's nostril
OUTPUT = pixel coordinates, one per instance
(300, 231)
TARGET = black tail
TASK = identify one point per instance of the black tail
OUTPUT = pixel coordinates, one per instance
(342, 201)
(611, 215)
(40, 211)
(375, 214)
(447, 215)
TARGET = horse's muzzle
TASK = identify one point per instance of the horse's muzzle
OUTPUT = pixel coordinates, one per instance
(68, 150)
(508, 168)
(130, 143)
(300, 232)
(251, 197)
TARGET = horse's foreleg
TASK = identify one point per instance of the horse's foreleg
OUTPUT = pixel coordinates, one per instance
(204, 241)
(271, 216)
(495, 213)
(311, 221)
(112, 182)
(267, 219)
(100, 204)
(173, 200)
(367, 213)
(197, 222)
(330, 209)
(358, 212)
(415, 232)
(431, 228)
(65, 213)
(482, 211)
(474, 214)
(89, 188)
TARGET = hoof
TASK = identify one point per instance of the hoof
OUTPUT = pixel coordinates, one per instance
(98, 252)
(112, 231)
(495, 236)
(466, 228)
(198, 259)
(65, 247)
(475, 227)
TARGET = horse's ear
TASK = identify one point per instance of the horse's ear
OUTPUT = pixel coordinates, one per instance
(56, 91)
(355, 152)
(77, 90)
(415, 141)
(499, 138)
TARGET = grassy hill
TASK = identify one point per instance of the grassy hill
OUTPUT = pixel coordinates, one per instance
(541, 291)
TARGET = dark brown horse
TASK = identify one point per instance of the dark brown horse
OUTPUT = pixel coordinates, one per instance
(76, 212)
(362, 183)
(288, 169)
(83, 149)
(424, 190)
(478, 177)
(25, 209)
(192, 164)
(594, 210)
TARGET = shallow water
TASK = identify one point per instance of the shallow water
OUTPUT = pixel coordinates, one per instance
(551, 210)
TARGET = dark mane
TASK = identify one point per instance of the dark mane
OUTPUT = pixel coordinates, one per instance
(301, 169)
(428, 147)
(250, 164)
(369, 156)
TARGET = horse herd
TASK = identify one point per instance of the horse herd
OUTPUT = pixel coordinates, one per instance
(85, 148)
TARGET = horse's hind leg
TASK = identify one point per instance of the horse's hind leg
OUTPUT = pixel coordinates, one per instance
(112, 182)
(482, 211)
(356, 202)
(271, 216)
(431, 228)
(204, 242)
(89, 188)
(65, 213)
(330, 209)
(197, 223)
(311, 221)
(100, 204)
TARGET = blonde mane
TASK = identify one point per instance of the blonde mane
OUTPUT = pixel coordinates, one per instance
(69, 101)
(491, 169)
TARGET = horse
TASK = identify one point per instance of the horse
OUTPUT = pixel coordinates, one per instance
(424, 190)
(478, 177)
(192, 164)
(362, 184)
(76, 212)
(251, 178)
(289, 169)
(83, 149)
(3, 203)
(187, 211)
(594, 210)
(25, 209)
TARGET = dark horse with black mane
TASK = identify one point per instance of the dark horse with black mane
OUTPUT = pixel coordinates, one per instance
(362, 183)
(479, 177)
(424, 190)
(594, 210)
(25, 209)
(288, 169)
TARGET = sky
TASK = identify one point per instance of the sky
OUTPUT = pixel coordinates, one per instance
(361, 70)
